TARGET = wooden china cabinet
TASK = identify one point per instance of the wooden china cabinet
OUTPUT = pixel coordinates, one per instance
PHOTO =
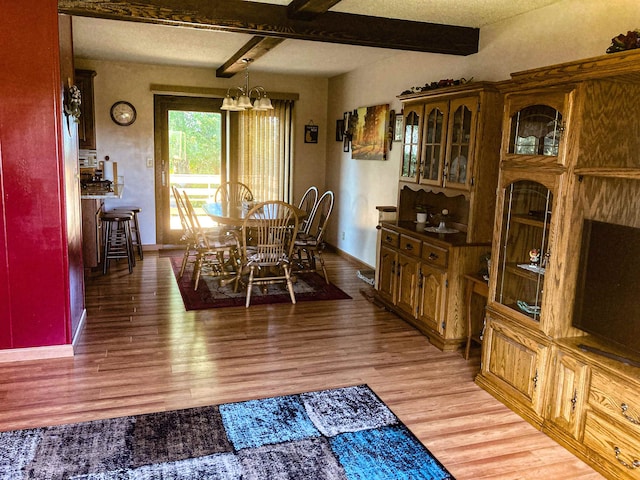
(449, 162)
(569, 153)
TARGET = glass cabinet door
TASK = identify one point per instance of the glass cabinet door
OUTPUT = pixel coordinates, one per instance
(536, 130)
(411, 144)
(434, 143)
(524, 247)
(461, 130)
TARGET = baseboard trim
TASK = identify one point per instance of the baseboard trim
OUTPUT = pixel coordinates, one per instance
(348, 257)
(36, 353)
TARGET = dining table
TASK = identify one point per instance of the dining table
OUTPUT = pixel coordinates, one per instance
(233, 214)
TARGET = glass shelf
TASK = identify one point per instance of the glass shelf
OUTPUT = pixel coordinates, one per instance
(524, 249)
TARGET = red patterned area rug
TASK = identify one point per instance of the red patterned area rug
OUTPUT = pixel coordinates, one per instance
(308, 287)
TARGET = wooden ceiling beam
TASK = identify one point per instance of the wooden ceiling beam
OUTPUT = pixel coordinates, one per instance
(252, 50)
(258, 45)
(272, 20)
(309, 9)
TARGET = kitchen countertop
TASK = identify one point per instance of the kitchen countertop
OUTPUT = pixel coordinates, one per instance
(118, 190)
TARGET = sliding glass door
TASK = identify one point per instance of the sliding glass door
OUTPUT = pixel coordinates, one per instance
(198, 147)
(190, 154)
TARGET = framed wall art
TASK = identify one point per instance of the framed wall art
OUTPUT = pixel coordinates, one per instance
(370, 133)
(311, 133)
(339, 130)
(398, 127)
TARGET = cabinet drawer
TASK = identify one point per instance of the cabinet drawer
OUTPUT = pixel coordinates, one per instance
(389, 237)
(435, 255)
(410, 245)
(612, 398)
(616, 446)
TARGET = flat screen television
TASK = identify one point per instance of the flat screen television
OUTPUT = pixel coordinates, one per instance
(607, 301)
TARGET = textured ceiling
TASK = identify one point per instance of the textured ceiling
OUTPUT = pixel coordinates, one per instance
(158, 44)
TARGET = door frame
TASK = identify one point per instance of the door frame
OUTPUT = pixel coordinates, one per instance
(162, 104)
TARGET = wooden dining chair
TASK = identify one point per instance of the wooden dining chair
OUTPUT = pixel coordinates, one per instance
(216, 251)
(308, 247)
(307, 203)
(268, 233)
(188, 237)
(234, 192)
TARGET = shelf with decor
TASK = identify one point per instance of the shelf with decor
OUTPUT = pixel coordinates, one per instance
(450, 154)
(559, 345)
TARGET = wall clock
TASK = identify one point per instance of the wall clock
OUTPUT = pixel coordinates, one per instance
(123, 113)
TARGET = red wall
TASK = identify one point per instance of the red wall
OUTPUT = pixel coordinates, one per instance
(39, 283)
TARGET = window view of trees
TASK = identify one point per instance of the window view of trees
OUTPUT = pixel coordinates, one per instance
(195, 157)
(195, 142)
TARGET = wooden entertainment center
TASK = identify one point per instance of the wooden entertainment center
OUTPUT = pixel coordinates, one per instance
(570, 152)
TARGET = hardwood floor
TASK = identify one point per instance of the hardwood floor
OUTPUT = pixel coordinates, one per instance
(141, 352)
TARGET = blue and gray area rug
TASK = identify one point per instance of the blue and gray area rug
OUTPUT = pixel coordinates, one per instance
(344, 433)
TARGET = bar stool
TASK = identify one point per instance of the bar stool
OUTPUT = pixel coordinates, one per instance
(136, 239)
(117, 238)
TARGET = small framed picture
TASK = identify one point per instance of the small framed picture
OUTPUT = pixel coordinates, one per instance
(339, 130)
(346, 137)
(398, 126)
(311, 133)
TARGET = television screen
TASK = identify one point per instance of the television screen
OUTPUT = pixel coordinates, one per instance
(607, 301)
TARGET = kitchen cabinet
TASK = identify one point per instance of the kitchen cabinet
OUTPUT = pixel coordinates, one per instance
(567, 157)
(86, 125)
(91, 232)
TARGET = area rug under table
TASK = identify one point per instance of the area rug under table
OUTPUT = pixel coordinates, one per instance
(210, 294)
(344, 433)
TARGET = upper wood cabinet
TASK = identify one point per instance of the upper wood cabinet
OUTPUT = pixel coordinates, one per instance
(451, 148)
(534, 127)
(86, 127)
(440, 129)
(411, 142)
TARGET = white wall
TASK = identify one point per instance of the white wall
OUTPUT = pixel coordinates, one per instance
(564, 31)
(131, 146)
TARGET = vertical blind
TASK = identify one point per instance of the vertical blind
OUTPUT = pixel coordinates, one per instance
(264, 151)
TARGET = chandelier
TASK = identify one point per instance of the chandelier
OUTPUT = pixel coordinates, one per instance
(242, 95)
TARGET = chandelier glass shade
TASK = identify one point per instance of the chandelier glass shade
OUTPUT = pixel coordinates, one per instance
(242, 95)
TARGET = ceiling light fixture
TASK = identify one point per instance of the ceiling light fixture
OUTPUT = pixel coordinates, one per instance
(242, 98)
